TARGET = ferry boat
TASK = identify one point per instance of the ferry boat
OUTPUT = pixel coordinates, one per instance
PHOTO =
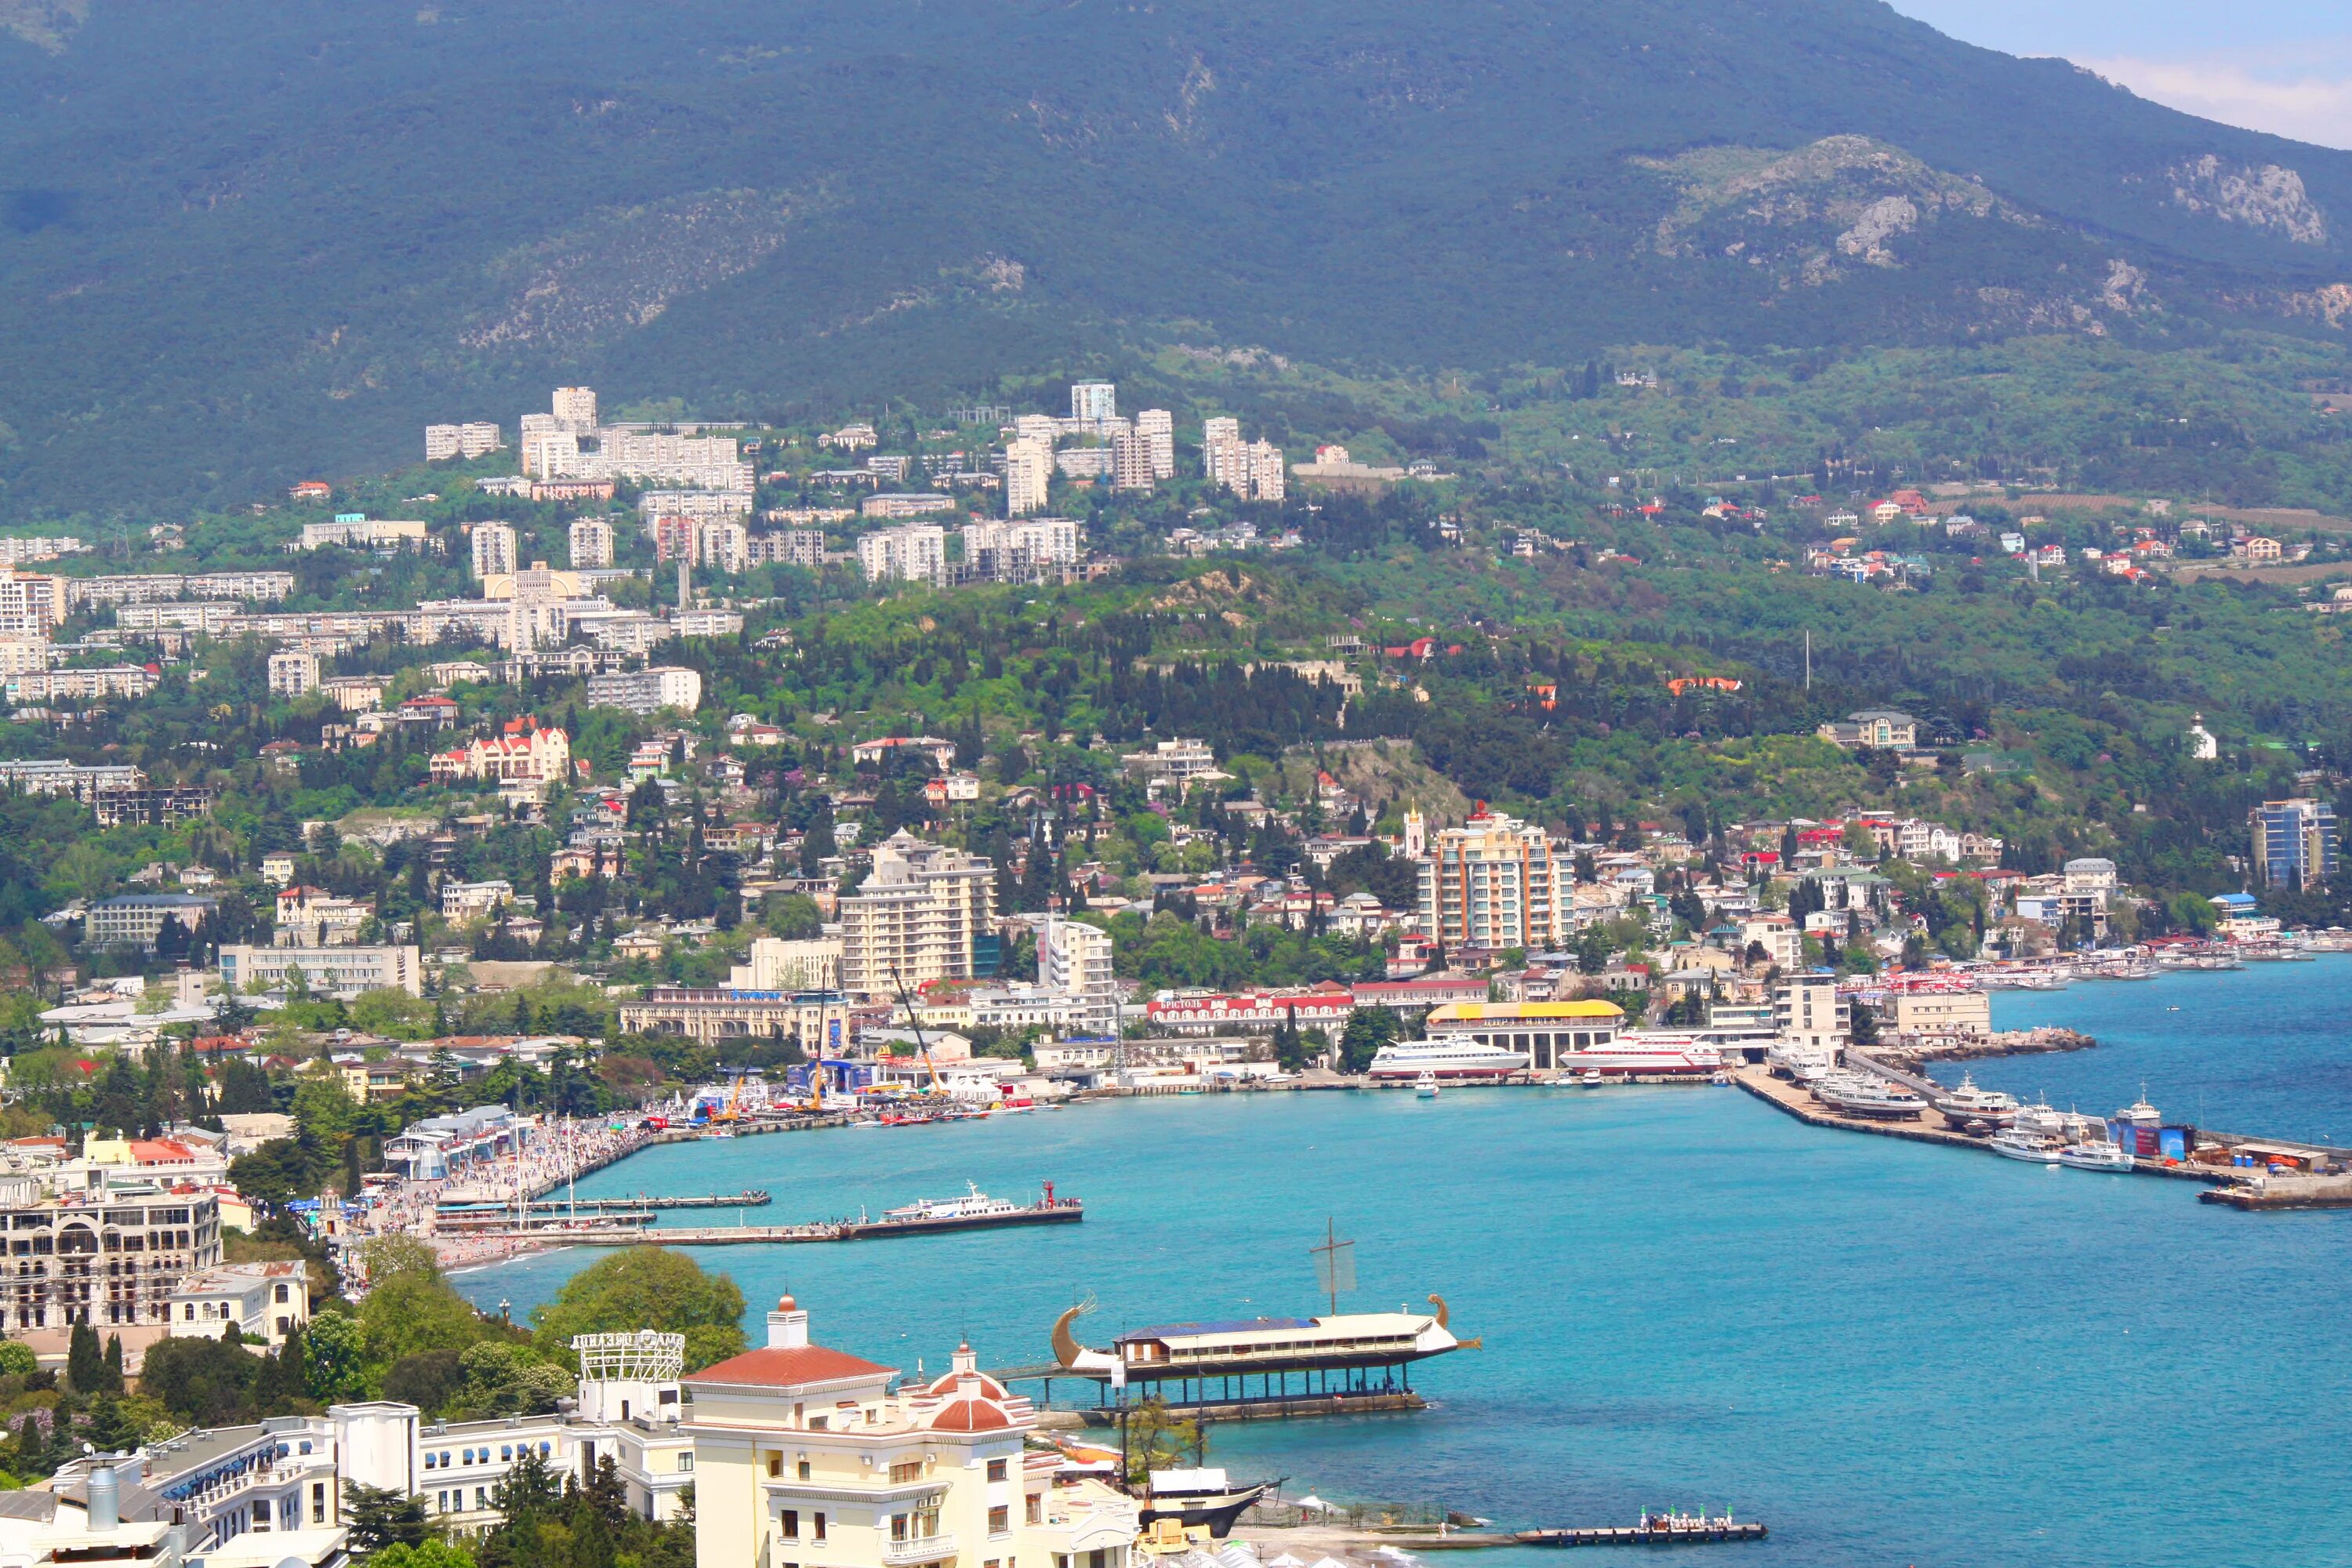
(1878, 1098)
(2100, 1155)
(2140, 1113)
(1641, 1054)
(974, 1211)
(1464, 1059)
(1969, 1103)
(2018, 1143)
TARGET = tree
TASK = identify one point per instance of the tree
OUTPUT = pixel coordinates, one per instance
(392, 1525)
(1368, 1030)
(1158, 1439)
(645, 1288)
(1864, 1024)
(86, 1363)
(336, 1352)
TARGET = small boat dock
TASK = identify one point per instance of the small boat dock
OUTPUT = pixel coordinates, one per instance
(1669, 1530)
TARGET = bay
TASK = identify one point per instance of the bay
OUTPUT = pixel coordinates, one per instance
(1890, 1353)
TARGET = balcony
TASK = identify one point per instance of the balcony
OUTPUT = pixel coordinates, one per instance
(917, 1549)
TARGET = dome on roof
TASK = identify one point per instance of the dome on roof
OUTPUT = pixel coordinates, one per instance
(786, 1304)
(987, 1387)
(970, 1416)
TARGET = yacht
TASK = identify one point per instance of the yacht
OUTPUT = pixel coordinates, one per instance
(2140, 1113)
(1862, 1095)
(2098, 1155)
(1969, 1104)
(1454, 1057)
(1589, 1078)
(2017, 1143)
(1425, 1086)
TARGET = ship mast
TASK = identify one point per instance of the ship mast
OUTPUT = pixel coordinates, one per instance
(1335, 1263)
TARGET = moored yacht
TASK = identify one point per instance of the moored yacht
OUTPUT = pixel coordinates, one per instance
(2099, 1154)
(1968, 1103)
(1862, 1094)
(2019, 1143)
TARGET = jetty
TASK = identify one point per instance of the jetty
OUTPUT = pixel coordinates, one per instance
(1670, 1529)
(749, 1199)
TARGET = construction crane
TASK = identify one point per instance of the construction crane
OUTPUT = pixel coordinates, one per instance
(916, 1023)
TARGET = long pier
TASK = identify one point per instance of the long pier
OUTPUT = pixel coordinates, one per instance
(1659, 1532)
(749, 1199)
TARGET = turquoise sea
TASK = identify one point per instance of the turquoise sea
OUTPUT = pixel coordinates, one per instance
(1891, 1353)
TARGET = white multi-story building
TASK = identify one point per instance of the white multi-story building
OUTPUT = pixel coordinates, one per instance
(475, 900)
(1494, 883)
(1217, 431)
(440, 442)
(1075, 959)
(1028, 476)
(1158, 428)
(355, 533)
(31, 603)
(915, 553)
(292, 672)
(1268, 477)
(788, 547)
(494, 550)
(340, 972)
(574, 408)
(779, 966)
(265, 1302)
(591, 543)
(1094, 402)
(647, 691)
(1131, 468)
(925, 913)
(1808, 1011)
(1015, 548)
(479, 438)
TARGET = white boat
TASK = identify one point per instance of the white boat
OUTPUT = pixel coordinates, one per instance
(2100, 1155)
(2017, 1143)
(2140, 1113)
(1459, 1059)
(1861, 1094)
(1589, 1078)
(1969, 1103)
(1425, 1086)
(1802, 1063)
(973, 1204)
(1644, 1053)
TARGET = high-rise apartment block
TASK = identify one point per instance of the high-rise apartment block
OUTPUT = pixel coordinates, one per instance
(443, 442)
(1267, 473)
(292, 672)
(1494, 883)
(440, 442)
(1130, 463)
(575, 409)
(1028, 476)
(926, 913)
(915, 553)
(494, 550)
(1217, 432)
(1158, 426)
(31, 603)
(2295, 843)
(1075, 960)
(591, 543)
(1014, 549)
(1094, 400)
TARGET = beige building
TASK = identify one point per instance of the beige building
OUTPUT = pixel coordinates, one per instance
(494, 550)
(818, 1019)
(102, 1258)
(1073, 960)
(923, 915)
(806, 1456)
(1808, 1011)
(266, 1301)
(779, 966)
(1943, 1012)
(1028, 476)
(1494, 882)
(591, 543)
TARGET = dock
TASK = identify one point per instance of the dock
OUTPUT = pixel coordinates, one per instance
(1667, 1532)
(2279, 1193)
(749, 1199)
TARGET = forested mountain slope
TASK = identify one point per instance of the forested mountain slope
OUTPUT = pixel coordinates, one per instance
(242, 240)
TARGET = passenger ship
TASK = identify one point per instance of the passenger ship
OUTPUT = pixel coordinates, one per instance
(1643, 1054)
(1550, 1035)
(1408, 1061)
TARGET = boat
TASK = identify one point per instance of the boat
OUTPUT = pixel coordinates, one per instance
(1589, 1078)
(1968, 1103)
(2100, 1155)
(1858, 1094)
(1643, 1053)
(2018, 1143)
(1425, 1086)
(974, 1211)
(1455, 1058)
(2140, 1113)
(1199, 1498)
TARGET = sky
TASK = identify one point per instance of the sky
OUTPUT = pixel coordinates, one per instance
(2282, 66)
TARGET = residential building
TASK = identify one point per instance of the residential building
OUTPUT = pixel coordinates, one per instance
(293, 672)
(1267, 472)
(575, 409)
(1217, 431)
(313, 917)
(926, 912)
(1808, 1011)
(940, 754)
(819, 1020)
(340, 972)
(1782, 942)
(75, 1260)
(2295, 843)
(1942, 1014)
(647, 691)
(524, 751)
(780, 965)
(591, 543)
(494, 550)
(1019, 549)
(1493, 883)
(1180, 762)
(31, 603)
(1130, 463)
(899, 503)
(915, 553)
(1881, 729)
(359, 533)
(84, 684)
(475, 900)
(84, 782)
(264, 1301)
(1074, 959)
(440, 442)
(804, 1454)
(788, 547)
(1158, 428)
(1093, 401)
(136, 920)
(1028, 476)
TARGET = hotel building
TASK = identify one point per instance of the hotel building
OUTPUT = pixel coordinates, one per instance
(1494, 883)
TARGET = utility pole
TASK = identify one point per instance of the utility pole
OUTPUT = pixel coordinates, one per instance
(1809, 660)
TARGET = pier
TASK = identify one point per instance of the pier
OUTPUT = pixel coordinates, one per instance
(1668, 1531)
(749, 1199)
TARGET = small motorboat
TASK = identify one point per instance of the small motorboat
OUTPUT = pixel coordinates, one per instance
(1590, 1078)
(1425, 1086)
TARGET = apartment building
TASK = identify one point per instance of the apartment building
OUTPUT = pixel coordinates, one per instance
(807, 1454)
(915, 553)
(31, 603)
(1016, 549)
(265, 1302)
(647, 691)
(475, 900)
(574, 408)
(703, 505)
(1028, 476)
(99, 1257)
(1130, 463)
(1493, 883)
(779, 966)
(1218, 432)
(84, 782)
(134, 921)
(1808, 1011)
(494, 550)
(591, 543)
(293, 672)
(1158, 428)
(926, 912)
(313, 917)
(342, 972)
(1075, 960)
(788, 547)
(819, 1020)
(359, 533)
(905, 503)
(2295, 843)
(1094, 402)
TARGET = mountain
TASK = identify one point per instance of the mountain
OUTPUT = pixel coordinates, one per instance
(242, 241)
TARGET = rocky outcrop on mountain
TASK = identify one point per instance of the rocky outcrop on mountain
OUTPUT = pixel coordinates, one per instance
(2270, 197)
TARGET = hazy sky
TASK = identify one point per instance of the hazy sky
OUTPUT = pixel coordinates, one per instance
(2284, 66)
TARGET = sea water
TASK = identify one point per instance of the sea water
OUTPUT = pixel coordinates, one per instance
(1890, 1353)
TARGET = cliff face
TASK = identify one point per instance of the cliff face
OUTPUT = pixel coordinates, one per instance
(247, 238)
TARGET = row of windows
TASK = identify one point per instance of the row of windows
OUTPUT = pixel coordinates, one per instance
(507, 1451)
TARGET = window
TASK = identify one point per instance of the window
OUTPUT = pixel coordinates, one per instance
(816, 1523)
(909, 1470)
(482, 1499)
(281, 1295)
(430, 1463)
(506, 1450)
(1036, 1514)
(996, 1469)
(317, 1497)
(789, 1523)
(1000, 1520)
(776, 1466)
(685, 1460)
(803, 1471)
(544, 1450)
